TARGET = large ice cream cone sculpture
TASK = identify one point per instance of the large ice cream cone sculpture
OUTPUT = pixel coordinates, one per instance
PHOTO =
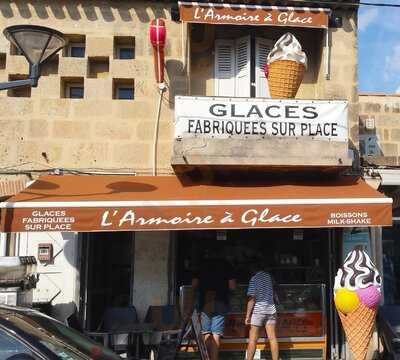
(286, 66)
(357, 295)
(358, 326)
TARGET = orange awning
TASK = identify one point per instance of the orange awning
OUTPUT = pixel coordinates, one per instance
(12, 187)
(125, 203)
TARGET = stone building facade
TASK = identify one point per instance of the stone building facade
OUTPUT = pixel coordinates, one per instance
(45, 129)
(50, 130)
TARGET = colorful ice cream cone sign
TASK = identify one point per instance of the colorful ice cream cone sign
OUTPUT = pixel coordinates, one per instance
(286, 65)
(357, 293)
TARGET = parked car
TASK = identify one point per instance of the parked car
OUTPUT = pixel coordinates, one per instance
(27, 334)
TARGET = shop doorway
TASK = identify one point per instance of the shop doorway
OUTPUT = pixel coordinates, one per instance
(106, 274)
(303, 261)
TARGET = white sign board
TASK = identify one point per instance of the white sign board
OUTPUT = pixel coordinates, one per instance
(221, 117)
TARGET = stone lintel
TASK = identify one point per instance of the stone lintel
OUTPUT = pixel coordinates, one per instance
(263, 152)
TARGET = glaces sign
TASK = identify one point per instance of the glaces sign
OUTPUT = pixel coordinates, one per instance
(260, 118)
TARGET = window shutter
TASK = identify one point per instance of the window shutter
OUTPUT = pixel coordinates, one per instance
(224, 68)
(242, 67)
(263, 47)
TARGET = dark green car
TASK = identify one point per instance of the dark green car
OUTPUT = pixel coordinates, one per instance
(26, 334)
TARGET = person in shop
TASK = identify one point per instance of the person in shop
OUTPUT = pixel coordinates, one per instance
(213, 284)
(261, 311)
(316, 274)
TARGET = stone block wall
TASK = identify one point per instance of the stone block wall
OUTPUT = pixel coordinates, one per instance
(379, 125)
(43, 129)
(343, 69)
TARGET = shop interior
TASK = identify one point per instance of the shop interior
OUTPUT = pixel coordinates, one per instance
(298, 259)
(298, 256)
(106, 275)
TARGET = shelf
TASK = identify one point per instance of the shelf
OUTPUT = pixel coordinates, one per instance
(288, 267)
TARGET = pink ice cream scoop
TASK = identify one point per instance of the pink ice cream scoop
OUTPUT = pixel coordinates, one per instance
(369, 296)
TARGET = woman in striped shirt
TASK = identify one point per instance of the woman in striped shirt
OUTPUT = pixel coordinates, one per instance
(261, 312)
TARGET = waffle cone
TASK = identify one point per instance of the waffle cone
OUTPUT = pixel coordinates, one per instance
(284, 78)
(358, 326)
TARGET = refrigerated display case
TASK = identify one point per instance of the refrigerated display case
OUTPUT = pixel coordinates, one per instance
(302, 321)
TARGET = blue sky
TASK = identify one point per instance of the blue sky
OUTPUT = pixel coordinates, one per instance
(379, 48)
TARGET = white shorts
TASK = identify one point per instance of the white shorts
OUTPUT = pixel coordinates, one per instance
(263, 319)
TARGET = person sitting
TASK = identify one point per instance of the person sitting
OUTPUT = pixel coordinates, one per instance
(213, 282)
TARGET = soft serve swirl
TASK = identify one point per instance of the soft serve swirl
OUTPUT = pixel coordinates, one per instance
(287, 48)
(358, 272)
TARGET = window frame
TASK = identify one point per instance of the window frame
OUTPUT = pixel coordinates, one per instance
(228, 83)
(118, 87)
(15, 50)
(72, 45)
(68, 87)
(125, 46)
(19, 92)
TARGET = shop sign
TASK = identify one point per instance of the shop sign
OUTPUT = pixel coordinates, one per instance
(256, 118)
(214, 215)
(48, 220)
(235, 14)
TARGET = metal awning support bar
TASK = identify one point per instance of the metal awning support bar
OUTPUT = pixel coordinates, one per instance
(32, 81)
(17, 83)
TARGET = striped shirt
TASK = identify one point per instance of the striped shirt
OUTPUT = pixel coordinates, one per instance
(261, 288)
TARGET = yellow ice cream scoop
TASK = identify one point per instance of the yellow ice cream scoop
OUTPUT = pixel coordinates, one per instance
(346, 300)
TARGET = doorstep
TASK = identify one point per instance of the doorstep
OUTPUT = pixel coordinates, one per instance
(312, 354)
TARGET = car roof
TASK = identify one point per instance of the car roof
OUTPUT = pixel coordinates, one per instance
(18, 310)
(10, 311)
(7, 309)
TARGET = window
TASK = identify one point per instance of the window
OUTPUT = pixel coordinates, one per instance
(24, 91)
(75, 91)
(239, 67)
(72, 87)
(76, 46)
(124, 93)
(126, 53)
(123, 89)
(20, 92)
(124, 47)
(9, 346)
(98, 67)
(76, 50)
(15, 50)
(2, 61)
